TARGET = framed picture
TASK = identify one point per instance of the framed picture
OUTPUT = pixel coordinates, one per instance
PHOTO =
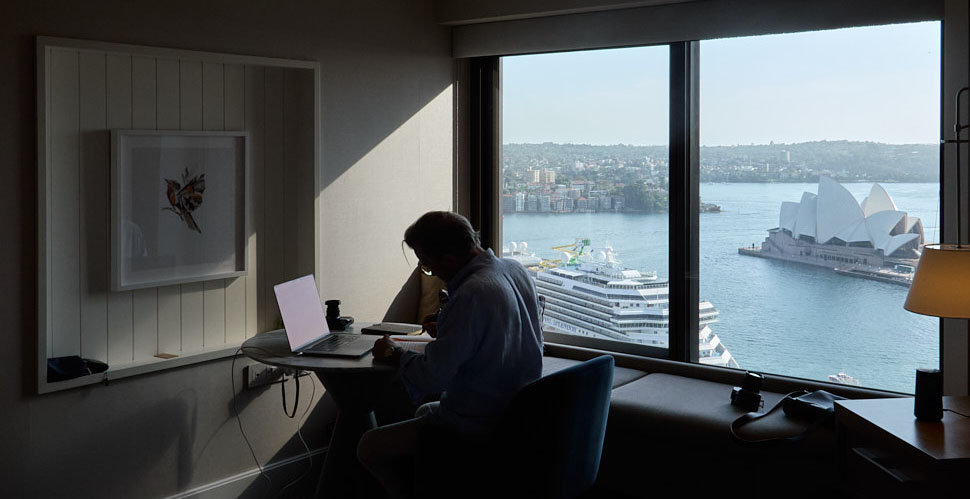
(178, 207)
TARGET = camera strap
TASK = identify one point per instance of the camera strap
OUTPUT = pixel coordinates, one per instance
(754, 416)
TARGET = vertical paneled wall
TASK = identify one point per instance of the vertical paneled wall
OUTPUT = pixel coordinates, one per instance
(89, 92)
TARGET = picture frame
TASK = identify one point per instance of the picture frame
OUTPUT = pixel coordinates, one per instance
(179, 207)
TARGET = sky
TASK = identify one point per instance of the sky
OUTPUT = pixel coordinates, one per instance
(878, 84)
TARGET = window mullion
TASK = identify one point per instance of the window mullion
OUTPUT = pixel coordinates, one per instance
(684, 201)
(483, 109)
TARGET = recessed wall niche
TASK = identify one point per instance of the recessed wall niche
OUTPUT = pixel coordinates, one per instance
(85, 90)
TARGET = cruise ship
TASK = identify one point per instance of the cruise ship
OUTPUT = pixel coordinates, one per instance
(587, 292)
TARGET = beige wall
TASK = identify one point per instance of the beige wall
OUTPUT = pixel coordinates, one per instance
(386, 156)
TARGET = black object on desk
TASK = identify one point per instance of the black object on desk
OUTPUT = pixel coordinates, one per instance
(72, 366)
(335, 321)
(391, 328)
(354, 385)
(928, 405)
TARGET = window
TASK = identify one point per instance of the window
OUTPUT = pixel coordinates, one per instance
(850, 116)
(820, 151)
(585, 188)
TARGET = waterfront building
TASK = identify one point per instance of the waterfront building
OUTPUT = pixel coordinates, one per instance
(508, 203)
(871, 239)
(545, 202)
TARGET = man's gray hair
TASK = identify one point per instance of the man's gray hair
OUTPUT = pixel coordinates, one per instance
(442, 233)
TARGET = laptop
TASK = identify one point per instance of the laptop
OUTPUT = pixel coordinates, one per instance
(306, 325)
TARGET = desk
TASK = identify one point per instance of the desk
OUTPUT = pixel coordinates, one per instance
(353, 384)
(885, 452)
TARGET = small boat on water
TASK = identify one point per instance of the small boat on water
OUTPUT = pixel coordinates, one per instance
(844, 379)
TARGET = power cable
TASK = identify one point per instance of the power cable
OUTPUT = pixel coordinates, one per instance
(299, 431)
(232, 377)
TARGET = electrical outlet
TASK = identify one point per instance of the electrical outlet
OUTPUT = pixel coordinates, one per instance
(260, 375)
(290, 373)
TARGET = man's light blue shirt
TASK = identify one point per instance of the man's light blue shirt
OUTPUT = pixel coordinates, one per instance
(489, 344)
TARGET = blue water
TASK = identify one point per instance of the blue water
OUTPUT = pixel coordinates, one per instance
(775, 317)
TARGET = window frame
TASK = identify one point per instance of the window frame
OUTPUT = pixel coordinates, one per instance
(684, 238)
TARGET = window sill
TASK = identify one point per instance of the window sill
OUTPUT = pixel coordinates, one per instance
(130, 369)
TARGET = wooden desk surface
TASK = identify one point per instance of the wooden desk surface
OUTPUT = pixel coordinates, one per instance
(272, 348)
(946, 440)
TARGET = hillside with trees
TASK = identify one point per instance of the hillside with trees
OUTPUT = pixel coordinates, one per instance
(845, 161)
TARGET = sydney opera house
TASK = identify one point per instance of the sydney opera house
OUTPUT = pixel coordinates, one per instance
(831, 229)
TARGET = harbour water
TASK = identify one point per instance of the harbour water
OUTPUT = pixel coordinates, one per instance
(775, 317)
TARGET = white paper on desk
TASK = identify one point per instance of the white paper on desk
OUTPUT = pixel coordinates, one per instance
(413, 342)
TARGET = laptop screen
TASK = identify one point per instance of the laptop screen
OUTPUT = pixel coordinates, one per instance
(302, 312)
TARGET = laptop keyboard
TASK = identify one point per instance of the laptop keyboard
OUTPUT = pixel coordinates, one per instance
(331, 343)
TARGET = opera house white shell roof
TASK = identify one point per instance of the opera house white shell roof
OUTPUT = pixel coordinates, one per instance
(835, 217)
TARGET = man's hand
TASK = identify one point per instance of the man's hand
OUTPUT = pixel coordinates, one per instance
(387, 350)
(430, 324)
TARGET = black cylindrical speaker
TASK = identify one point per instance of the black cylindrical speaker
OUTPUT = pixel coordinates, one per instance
(929, 395)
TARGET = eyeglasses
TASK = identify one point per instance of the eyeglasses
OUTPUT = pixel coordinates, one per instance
(425, 269)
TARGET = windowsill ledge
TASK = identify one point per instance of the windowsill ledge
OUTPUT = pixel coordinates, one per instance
(136, 368)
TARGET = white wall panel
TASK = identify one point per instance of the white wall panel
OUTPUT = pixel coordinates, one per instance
(144, 309)
(143, 117)
(213, 118)
(191, 118)
(192, 316)
(255, 123)
(235, 97)
(213, 93)
(93, 192)
(190, 93)
(291, 189)
(299, 188)
(235, 119)
(273, 181)
(118, 114)
(65, 338)
(170, 319)
(143, 93)
(214, 313)
(168, 117)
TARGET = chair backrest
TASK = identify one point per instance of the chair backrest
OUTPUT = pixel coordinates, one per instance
(417, 298)
(553, 429)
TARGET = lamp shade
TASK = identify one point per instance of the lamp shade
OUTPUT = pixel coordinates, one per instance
(941, 285)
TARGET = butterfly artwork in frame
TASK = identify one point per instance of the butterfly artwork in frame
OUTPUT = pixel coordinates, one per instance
(178, 207)
(185, 197)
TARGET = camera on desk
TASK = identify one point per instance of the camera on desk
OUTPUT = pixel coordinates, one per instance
(748, 395)
(335, 321)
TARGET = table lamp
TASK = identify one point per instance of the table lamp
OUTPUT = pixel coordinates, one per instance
(940, 284)
(940, 289)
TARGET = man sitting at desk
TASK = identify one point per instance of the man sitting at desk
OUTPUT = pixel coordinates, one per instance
(488, 346)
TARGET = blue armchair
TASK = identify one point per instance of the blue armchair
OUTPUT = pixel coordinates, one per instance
(548, 443)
